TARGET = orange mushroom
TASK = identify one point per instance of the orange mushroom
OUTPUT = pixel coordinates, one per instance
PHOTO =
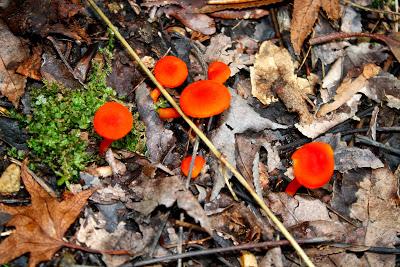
(203, 99)
(155, 94)
(168, 113)
(171, 71)
(199, 162)
(313, 166)
(218, 71)
(112, 121)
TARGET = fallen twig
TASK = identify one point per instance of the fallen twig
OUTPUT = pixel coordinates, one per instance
(263, 245)
(365, 140)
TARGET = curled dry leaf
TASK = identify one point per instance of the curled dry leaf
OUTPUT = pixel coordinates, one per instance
(273, 76)
(39, 227)
(305, 13)
(348, 88)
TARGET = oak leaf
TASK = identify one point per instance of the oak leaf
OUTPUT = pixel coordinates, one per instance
(39, 227)
(305, 13)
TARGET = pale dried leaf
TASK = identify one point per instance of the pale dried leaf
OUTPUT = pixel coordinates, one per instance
(321, 125)
(273, 76)
(238, 119)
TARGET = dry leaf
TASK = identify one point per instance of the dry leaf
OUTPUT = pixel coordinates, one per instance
(305, 13)
(321, 125)
(273, 76)
(371, 197)
(12, 52)
(166, 191)
(10, 180)
(238, 119)
(40, 227)
(31, 66)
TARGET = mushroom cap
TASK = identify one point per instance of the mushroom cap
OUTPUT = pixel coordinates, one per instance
(205, 98)
(112, 121)
(218, 71)
(171, 71)
(168, 113)
(199, 162)
(313, 164)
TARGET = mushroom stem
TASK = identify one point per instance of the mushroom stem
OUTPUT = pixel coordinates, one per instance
(104, 145)
(292, 188)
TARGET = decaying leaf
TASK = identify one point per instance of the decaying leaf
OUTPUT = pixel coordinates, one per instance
(40, 227)
(12, 53)
(321, 125)
(10, 180)
(159, 140)
(273, 76)
(239, 118)
(370, 196)
(198, 22)
(93, 233)
(31, 66)
(305, 13)
(166, 191)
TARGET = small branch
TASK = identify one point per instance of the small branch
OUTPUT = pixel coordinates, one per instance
(343, 35)
(367, 141)
(96, 251)
(370, 9)
(263, 245)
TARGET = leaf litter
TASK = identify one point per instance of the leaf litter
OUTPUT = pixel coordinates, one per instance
(139, 197)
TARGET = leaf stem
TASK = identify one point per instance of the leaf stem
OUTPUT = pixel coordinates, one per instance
(204, 138)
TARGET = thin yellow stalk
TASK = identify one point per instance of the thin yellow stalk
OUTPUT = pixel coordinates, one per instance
(204, 138)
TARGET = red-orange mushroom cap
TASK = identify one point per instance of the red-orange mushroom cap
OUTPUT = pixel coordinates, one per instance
(199, 162)
(113, 121)
(313, 166)
(171, 71)
(218, 71)
(205, 98)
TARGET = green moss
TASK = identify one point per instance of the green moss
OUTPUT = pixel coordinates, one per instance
(61, 116)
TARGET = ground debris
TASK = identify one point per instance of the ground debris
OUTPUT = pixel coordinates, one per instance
(40, 227)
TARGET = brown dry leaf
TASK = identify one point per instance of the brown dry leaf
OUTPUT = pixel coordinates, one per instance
(273, 76)
(198, 22)
(40, 227)
(12, 53)
(305, 13)
(31, 66)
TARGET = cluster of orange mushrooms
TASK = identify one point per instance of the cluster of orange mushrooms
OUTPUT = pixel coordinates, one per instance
(313, 163)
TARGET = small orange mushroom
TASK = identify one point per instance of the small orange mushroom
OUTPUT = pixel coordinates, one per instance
(171, 71)
(218, 71)
(313, 166)
(112, 121)
(199, 162)
(205, 98)
(168, 113)
(155, 94)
